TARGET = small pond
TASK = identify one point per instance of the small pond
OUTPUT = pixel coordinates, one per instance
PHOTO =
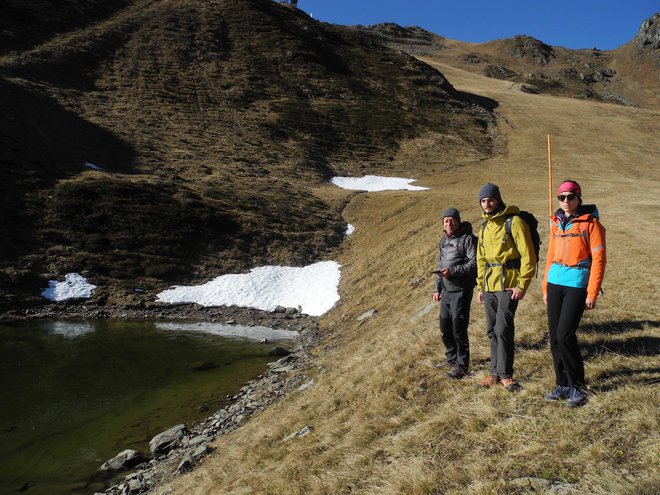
(74, 394)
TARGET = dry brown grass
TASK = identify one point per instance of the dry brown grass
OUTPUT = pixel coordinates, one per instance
(385, 421)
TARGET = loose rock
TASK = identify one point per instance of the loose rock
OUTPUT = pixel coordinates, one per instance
(300, 433)
(306, 386)
(185, 465)
(425, 310)
(368, 314)
(124, 460)
(167, 440)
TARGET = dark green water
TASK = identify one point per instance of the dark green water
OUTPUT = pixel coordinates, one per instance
(73, 395)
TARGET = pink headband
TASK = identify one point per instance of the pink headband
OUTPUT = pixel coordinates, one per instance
(569, 187)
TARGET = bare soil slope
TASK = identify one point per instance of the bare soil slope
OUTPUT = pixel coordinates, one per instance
(213, 122)
(384, 420)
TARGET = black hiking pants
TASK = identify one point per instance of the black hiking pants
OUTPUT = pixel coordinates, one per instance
(500, 312)
(565, 308)
(454, 321)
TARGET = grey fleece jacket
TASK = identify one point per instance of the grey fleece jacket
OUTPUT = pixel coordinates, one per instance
(459, 254)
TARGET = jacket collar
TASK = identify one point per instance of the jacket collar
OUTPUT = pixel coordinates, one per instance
(582, 213)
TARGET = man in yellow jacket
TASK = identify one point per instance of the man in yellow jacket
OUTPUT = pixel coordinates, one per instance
(506, 264)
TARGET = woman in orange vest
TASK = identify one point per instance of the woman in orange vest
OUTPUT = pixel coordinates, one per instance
(573, 276)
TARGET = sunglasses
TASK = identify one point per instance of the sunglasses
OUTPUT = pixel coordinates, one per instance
(567, 197)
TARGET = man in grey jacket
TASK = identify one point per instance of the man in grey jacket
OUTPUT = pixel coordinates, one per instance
(455, 280)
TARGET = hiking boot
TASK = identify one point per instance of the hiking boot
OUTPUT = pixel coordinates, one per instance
(456, 373)
(488, 382)
(576, 397)
(446, 363)
(509, 384)
(558, 393)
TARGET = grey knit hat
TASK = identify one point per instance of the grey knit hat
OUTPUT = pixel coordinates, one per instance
(490, 191)
(452, 212)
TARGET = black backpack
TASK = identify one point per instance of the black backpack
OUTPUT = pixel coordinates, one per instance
(533, 224)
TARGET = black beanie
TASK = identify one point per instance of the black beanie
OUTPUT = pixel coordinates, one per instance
(490, 191)
(451, 212)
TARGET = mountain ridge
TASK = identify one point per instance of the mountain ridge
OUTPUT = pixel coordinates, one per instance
(624, 75)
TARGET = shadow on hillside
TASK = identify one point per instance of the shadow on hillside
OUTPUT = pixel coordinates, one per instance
(45, 141)
(483, 101)
(611, 380)
(24, 25)
(615, 327)
(42, 143)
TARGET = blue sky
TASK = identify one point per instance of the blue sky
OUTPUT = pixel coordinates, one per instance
(605, 24)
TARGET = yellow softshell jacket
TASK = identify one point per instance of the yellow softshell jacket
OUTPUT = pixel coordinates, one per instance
(497, 268)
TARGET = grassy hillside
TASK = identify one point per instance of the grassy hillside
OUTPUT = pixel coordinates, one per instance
(214, 124)
(386, 421)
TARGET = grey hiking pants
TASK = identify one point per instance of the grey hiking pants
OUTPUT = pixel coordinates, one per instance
(500, 313)
(454, 320)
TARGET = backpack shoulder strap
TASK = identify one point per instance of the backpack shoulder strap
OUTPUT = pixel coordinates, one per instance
(482, 227)
(507, 228)
(507, 225)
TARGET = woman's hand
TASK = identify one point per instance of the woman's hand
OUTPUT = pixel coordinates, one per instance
(590, 303)
(545, 299)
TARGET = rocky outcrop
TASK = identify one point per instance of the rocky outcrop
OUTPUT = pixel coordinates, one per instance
(499, 72)
(648, 36)
(412, 39)
(471, 58)
(527, 47)
(589, 77)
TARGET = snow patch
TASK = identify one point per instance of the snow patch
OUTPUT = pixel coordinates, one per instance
(75, 286)
(373, 183)
(349, 229)
(92, 166)
(312, 287)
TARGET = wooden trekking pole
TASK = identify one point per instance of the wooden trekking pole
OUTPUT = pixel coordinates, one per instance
(550, 175)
